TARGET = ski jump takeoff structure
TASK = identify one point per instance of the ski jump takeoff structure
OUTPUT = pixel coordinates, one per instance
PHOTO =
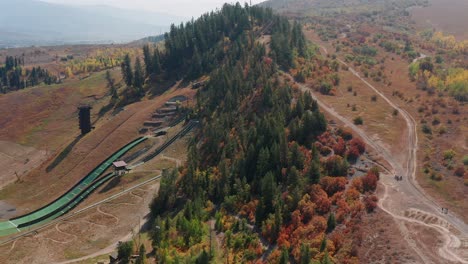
(69, 200)
(83, 188)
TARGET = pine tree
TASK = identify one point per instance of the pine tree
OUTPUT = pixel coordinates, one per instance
(323, 244)
(138, 76)
(147, 58)
(314, 167)
(331, 222)
(111, 85)
(326, 259)
(124, 250)
(127, 71)
(203, 258)
(156, 62)
(284, 258)
(305, 254)
(141, 255)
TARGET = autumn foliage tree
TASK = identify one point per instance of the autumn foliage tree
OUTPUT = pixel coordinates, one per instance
(356, 148)
(370, 202)
(340, 147)
(255, 151)
(332, 185)
(369, 182)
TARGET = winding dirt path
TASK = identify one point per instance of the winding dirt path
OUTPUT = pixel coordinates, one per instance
(146, 199)
(107, 214)
(410, 196)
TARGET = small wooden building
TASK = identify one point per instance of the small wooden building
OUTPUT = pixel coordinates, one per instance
(120, 167)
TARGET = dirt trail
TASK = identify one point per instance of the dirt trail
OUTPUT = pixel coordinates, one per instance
(407, 197)
(145, 198)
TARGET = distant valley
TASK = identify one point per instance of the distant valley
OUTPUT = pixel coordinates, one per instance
(32, 22)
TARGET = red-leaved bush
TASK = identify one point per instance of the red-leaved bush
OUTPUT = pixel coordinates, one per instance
(331, 185)
(359, 144)
(369, 182)
(460, 171)
(370, 202)
(340, 147)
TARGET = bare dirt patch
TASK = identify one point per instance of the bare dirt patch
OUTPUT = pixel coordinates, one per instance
(381, 244)
(17, 160)
(84, 234)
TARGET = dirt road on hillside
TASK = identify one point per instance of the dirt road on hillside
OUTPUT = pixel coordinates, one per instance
(405, 201)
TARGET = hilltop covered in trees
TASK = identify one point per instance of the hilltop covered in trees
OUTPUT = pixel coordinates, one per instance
(198, 47)
(264, 166)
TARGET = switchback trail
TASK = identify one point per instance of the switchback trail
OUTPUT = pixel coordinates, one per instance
(407, 196)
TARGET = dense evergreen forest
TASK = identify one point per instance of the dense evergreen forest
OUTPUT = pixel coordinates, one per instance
(263, 166)
(14, 77)
(198, 47)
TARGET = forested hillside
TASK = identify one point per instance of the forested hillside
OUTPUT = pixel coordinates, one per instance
(14, 77)
(264, 170)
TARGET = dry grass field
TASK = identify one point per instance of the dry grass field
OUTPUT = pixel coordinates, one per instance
(45, 117)
(95, 232)
(60, 124)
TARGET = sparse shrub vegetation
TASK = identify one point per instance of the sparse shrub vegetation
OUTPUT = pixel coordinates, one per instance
(426, 129)
(449, 154)
(460, 171)
(442, 130)
(465, 160)
(436, 176)
(358, 121)
(346, 134)
(325, 88)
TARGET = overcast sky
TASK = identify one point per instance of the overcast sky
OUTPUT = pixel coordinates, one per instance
(185, 8)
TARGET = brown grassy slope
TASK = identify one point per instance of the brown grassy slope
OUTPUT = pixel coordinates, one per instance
(40, 187)
(46, 116)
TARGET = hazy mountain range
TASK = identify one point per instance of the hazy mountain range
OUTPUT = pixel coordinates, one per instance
(32, 22)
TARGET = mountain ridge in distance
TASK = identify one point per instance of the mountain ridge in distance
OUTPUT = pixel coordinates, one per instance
(32, 22)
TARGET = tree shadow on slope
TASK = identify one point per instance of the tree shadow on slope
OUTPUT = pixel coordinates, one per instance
(110, 185)
(63, 154)
(159, 87)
